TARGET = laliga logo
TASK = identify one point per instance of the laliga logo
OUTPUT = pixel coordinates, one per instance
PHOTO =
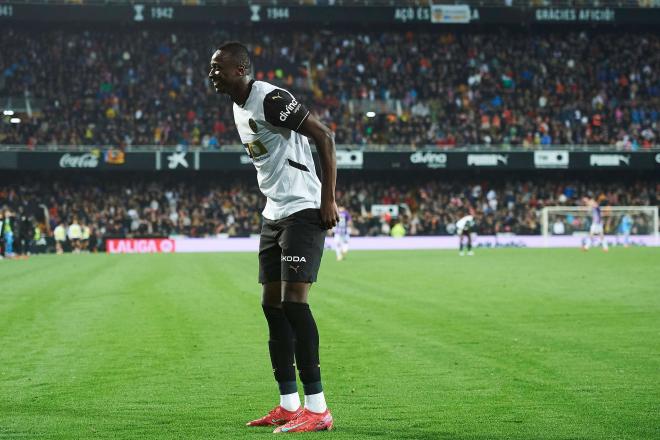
(290, 108)
(87, 160)
(293, 259)
(176, 159)
(255, 13)
(139, 9)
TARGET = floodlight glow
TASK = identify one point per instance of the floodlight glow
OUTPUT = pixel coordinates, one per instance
(8, 112)
(371, 114)
(15, 120)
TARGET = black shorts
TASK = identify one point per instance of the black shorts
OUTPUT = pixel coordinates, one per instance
(290, 249)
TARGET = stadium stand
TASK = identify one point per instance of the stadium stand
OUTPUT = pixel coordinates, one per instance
(133, 86)
(159, 207)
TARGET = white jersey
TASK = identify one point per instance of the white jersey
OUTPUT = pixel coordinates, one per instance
(74, 232)
(286, 175)
(465, 222)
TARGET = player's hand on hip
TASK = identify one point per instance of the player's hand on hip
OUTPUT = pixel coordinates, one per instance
(329, 214)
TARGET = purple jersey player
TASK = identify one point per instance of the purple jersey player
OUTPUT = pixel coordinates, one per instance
(596, 228)
(342, 233)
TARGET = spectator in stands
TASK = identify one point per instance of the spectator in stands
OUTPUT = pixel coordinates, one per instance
(147, 86)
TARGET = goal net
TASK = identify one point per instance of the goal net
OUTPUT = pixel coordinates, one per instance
(618, 221)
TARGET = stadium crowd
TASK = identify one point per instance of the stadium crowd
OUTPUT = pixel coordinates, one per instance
(148, 86)
(139, 207)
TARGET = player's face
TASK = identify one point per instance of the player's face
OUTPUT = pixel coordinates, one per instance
(221, 72)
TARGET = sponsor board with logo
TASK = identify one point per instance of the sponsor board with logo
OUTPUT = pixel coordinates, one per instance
(450, 14)
(101, 159)
(139, 245)
(609, 160)
(551, 159)
(430, 159)
(168, 161)
(487, 160)
(350, 159)
(183, 245)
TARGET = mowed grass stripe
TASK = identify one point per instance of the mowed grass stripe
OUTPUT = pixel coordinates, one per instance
(508, 344)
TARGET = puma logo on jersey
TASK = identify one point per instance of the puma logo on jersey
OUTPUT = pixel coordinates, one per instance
(292, 107)
(277, 96)
(294, 268)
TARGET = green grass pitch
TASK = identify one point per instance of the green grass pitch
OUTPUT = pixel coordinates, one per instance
(508, 344)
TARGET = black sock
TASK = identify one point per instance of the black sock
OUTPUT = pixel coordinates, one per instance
(281, 348)
(307, 345)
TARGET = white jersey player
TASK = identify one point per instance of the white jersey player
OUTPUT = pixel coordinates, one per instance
(596, 228)
(274, 126)
(342, 233)
(464, 229)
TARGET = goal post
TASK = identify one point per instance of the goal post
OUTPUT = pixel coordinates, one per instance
(576, 220)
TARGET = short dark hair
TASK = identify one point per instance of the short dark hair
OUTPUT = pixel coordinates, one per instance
(238, 52)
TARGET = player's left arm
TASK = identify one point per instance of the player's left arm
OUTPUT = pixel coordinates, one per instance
(324, 139)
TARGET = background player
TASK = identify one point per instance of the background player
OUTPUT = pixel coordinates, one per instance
(273, 127)
(342, 233)
(596, 228)
(625, 229)
(464, 229)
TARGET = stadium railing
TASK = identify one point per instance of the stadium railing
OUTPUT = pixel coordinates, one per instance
(353, 147)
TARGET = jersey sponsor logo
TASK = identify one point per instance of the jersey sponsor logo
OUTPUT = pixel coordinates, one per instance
(253, 125)
(256, 149)
(291, 107)
(293, 259)
(609, 160)
(87, 160)
(487, 160)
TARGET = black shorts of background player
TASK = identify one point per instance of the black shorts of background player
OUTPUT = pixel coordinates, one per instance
(466, 235)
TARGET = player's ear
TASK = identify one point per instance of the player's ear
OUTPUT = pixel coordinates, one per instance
(241, 70)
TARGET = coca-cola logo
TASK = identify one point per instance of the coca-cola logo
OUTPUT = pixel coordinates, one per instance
(87, 160)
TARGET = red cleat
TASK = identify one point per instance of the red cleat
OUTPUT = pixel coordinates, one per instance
(276, 417)
(308, 421)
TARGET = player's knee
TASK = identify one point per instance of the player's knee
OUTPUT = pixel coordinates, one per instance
(272, 294)
(296, 292)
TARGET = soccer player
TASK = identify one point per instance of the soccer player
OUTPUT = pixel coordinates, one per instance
(464, 229)
(596, 227)
(274, 127)
(74, 232)
(342, 233)
(625, 228)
